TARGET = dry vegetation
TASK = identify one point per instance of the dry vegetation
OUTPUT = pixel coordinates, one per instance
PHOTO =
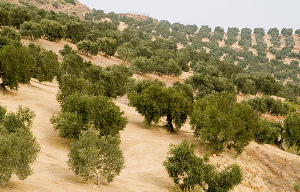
(57, 6)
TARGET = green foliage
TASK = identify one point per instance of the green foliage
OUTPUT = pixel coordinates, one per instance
(18, 147)
(173, 68)
(46, 63)
(218, 120)
(184, 56)
(274, 32)
(115, 79)
(191, 29)
(290, 91)
(10, 33)
(205, 84)
(68, 124)
(98, 112)
(75, 31)
(16, 65)
(270, 132)
(88, 47)
(5, 18)
(31, 29)
(268, 104)
(108, 46)
(246, 40)
(219, 33)
(296, 186)
(67, 50)
(92, 156)
(231, 35)
(189, 170)
(126, 52)
(110, 81)
(142, 65)
(256, 82)
(96, 15)
(53, 30)
(291, 133)
(205, 31)
(287, 32)
(155, 101)
(18, 15)
(74, 65)
(71, 2)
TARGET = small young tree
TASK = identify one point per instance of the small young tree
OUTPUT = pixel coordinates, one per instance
(93, 157)
(18, 147)
(189, 170)
(67, 50)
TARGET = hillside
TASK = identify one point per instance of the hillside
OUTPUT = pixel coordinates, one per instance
(163, 47)
(71, 7)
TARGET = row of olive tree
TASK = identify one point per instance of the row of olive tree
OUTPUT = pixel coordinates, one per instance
(19, 63)
(89, 117)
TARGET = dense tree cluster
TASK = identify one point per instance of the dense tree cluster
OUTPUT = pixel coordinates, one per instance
(267, 104)
(246, 40)
(227, 124)
(189, 170)
(18, 64)
(231, 35)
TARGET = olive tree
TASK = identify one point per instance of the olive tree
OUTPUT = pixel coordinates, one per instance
(189, 170)
(221, 122)
(153, 100)
(80, 112)
(18, 147)
(31, 29)
(291, 129)
(16, 66)
(91, 156)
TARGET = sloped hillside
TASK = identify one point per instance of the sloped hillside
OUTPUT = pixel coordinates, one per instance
(264, 167)
(71, 7)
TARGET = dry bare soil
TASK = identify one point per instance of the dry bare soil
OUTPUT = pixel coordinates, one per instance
(265, 167)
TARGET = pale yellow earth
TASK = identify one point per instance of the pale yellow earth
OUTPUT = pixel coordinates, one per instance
(264, 167)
